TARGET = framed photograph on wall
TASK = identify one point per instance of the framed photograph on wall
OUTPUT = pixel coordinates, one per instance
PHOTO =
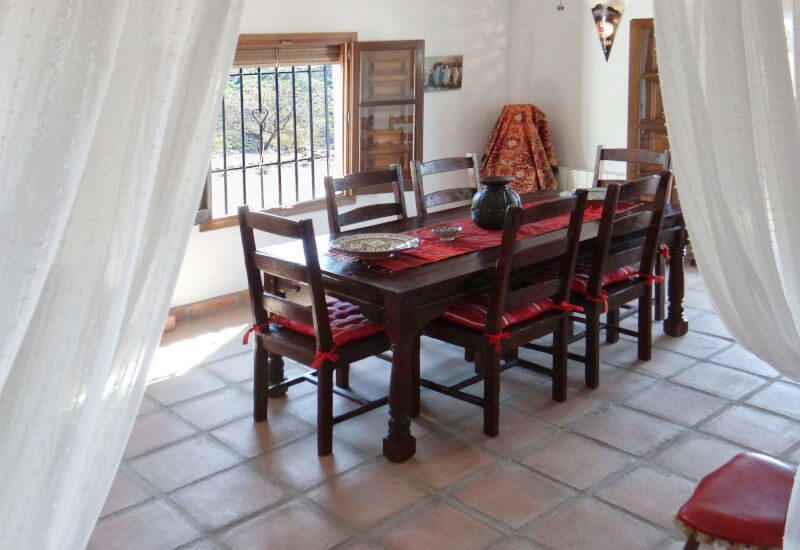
(443, 73)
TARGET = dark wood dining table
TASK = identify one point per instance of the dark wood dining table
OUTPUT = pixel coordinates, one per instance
(403, 302)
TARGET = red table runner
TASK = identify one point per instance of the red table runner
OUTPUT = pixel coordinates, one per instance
(472, 238)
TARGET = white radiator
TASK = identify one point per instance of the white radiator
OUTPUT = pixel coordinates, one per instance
(570, 179)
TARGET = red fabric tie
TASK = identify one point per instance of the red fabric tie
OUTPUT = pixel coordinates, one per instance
(566, 306)
(651, 278)
(322, 356)
(664, 250)
(602, 299)
(496, 338)
(255, 328)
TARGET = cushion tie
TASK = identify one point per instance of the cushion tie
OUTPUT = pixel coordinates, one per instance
(495, 338)
(321, 356)
(255, 328)
(664, 251)
(651, 278)
(602, 299)
(566, 306)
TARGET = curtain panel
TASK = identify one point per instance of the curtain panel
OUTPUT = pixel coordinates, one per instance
(105, 133)
(732, 115)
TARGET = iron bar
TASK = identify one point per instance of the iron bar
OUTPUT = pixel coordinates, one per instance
(224, 157)
(260, 143)
(327, 134)
(241, 118)
(278, 137)
(294, 123)
(311, 133)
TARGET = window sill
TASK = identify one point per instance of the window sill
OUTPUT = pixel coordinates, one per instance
(305, 207)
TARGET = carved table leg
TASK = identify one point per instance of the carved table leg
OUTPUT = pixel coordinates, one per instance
(675, 323)
(399, 444)
(275, 369)
(659, 294)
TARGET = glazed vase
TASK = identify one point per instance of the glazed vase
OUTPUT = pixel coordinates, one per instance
(490, 202)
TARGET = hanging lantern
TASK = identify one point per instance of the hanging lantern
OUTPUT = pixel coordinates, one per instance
(607, 18)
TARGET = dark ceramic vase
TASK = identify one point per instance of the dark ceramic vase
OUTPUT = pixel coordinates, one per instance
(490, 202)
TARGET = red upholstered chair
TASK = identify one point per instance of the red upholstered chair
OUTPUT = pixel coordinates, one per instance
(328, 335)
(741, 504)
(516, 310)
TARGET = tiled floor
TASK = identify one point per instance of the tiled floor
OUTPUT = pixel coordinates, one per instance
(606, 469)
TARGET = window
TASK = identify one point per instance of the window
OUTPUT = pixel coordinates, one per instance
(281, 126)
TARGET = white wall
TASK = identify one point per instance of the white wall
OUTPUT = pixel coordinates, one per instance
(455, 122)
(556, 63)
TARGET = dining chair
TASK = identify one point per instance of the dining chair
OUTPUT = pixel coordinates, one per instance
(621, 267)
(516, 309)
(444, 196)
(327, 336)
(391, 178)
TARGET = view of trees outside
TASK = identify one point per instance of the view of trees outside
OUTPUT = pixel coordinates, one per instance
(251, 159)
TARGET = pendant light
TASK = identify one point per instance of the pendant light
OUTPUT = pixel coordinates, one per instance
(607, 18)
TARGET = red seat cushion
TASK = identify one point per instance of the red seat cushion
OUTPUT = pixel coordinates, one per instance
(581, 279)
(347, 323)
(745, 502)
(473, 314)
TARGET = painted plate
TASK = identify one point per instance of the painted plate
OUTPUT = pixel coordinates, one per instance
(374, 245)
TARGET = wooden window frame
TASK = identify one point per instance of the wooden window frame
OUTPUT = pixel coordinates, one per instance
(253, 42)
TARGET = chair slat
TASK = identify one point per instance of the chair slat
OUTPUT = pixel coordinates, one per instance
(442, 166)
(443, 196)
(370, 212)
(358, 180)
(632, 223)
(393, 178)
(287, 308)
(437, 198)
(531, 293)
(280, 268)
(273, 224)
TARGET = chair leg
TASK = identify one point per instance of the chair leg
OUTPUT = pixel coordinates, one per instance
(612, 318)
(660, 290)
(325, 409)
(343, 376)
(592, 358)
(260, 383)
(645, 339)
(415, 375)
(491, 393)
(691, 543)
(560, 360)
(469, 355)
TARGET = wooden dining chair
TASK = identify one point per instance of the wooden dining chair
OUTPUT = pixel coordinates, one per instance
(392, 178)
(516, 309)
(621, 267)
(328, 335)
(444, 196)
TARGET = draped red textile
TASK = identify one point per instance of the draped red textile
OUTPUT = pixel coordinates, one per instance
(521, 146)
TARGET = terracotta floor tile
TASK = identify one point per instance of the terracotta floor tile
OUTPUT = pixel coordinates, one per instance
(440, 461)
(696, 456)
(586, 523)
(752, 428)
(540, 405)
(183, 386)
(443, 409)
(151, 526)
(693, 344)
(215, 409)
(443, 362)
(292, 525)
(710, 323)
(155, 430)
(366, 432)
(366, 496)
(233, 369)
(253, 438)
(512, 495)
(617, 383)
(125, 492)
(203, 544)
(229, 496)
(676, 403)
(305, 406)
(517, 431)
(780, 397)
(515, 544)
(697, 300)
(628, 430)
(650, 494)
(512, 382)
(298, 464)
(722, 381)
(439, 526)
(740, 358)
(662, 363)
(184, 462)
(576, 461)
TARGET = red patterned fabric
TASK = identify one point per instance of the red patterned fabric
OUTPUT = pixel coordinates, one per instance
(743, 502)
(473, 314)
(521, 146)
(347, 323)
(581, 279)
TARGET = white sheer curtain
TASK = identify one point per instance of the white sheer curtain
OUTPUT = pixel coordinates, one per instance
(732, 115)
(106, 117)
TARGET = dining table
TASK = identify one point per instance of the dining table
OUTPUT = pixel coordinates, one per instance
(403, 302)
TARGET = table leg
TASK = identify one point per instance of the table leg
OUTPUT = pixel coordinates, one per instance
(275, 375)
(676, 324)
(399, 444)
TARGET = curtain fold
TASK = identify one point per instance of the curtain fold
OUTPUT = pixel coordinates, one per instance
(732, 116)
(105, 134)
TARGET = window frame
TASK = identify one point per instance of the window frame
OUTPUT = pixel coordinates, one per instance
(248, 43)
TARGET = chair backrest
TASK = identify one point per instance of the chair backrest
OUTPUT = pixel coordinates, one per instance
(360, 180)
(266, 274)
(429, 200)
(614, 246)
(638, 157)
(515, 255)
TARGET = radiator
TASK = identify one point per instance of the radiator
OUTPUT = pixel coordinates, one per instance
(570, 179)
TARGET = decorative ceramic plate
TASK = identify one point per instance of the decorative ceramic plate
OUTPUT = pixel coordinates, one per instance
(374, 245)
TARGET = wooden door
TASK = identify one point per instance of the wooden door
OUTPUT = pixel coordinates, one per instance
(388, 92)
